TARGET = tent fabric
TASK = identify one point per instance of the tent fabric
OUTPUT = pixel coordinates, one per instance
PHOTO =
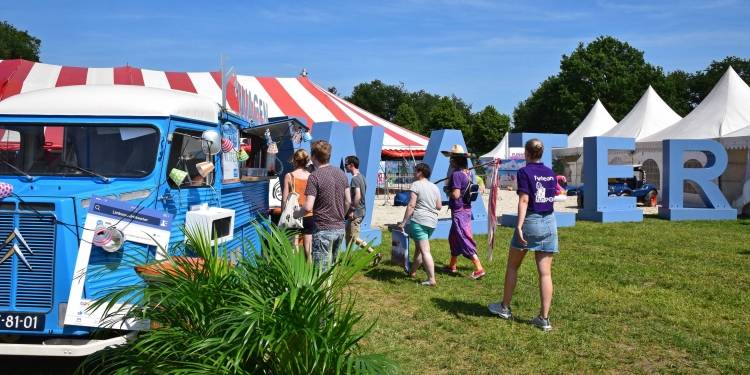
(297, 97)
(597, 122)
(744, 132)
(500, 151)
(738, 139)
(724, 111)
(112, 100)
(650, 115)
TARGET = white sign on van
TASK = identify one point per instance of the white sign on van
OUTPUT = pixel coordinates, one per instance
(138, 224)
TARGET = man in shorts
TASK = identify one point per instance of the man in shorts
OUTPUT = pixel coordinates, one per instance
(328, 199)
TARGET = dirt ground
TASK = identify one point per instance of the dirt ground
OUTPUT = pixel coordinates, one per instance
(385, 213)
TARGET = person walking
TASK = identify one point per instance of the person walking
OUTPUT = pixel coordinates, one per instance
(536, 231)
(326, 196)
(460, 237)
(296, 181)
(357, 211)
(420, 220)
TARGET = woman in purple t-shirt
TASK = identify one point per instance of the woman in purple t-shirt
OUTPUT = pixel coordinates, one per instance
(460, 236)
(536, 231)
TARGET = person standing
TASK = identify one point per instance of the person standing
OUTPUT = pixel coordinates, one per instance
(460, 237)
(420, 220)
(357, 211)
(326, 196)
(536, 231)
(296, 181)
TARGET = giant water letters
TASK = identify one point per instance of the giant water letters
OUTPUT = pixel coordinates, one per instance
(673, 196)
(366, 143)
(597, 204)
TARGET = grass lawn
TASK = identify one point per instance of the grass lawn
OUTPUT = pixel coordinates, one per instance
(637, 297)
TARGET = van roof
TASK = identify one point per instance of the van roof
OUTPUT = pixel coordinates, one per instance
(112, 100)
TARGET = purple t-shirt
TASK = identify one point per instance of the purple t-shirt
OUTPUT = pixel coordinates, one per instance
(460, 181)
(538, 181)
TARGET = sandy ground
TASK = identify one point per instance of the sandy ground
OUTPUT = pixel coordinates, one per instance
(385, 213)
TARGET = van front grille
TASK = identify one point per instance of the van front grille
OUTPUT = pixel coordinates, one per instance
(23, 288)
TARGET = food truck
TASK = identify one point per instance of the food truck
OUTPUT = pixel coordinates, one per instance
(94, 175)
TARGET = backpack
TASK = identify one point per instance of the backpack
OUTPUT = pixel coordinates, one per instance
(472, 191)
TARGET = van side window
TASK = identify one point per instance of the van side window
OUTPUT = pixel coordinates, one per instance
(187, 161)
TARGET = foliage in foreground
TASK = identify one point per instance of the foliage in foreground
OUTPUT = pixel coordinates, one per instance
(272, 314)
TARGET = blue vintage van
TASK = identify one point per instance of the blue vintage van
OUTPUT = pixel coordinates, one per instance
(60, 147)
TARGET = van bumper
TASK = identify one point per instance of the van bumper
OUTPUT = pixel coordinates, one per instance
(60, 347)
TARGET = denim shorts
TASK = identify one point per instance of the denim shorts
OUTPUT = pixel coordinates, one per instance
(540, 232)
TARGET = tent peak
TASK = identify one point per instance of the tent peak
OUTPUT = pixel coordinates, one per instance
(597, 122)
(723, 111)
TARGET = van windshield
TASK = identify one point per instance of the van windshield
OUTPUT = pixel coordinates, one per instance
(77, 150)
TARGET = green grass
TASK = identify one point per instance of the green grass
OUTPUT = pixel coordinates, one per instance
(637, 297)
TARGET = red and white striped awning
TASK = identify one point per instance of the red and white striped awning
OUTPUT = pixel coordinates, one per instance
(299, 97)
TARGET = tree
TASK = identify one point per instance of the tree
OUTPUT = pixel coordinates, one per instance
(423, 103)
(17, 44)
(407, 118)
(445, 115)
(379, 98)
(703, 81)
(487, 129)
(419, 111)
(605, 69)
(675, 90)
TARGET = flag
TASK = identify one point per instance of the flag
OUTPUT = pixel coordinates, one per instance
(492, 210)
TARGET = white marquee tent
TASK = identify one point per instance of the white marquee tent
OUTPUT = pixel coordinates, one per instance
(500, 151)
(597, 122)
(725, 110)
(650, 115)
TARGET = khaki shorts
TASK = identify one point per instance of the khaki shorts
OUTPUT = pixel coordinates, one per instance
(352, 229)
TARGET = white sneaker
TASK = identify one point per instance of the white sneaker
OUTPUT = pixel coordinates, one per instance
(542, 323)
(500, 310)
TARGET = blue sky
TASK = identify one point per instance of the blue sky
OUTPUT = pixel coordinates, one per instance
(488, 52)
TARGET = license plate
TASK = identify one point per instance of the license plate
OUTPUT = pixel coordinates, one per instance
(21, 322)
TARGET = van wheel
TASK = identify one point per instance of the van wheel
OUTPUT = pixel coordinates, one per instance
(650, 199)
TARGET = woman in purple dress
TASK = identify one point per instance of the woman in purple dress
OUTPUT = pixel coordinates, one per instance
(460, 237)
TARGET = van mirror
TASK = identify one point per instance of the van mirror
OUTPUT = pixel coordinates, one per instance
(211, 142)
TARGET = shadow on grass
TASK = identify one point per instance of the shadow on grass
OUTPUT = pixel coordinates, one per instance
(744, 252)
(385, 274)
(460, 309)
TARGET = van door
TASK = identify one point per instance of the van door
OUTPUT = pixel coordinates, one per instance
(190, 174)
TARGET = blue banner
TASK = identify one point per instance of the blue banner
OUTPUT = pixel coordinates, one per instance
(131, 213)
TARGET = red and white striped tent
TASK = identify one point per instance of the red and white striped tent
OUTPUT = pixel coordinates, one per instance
(298, 97)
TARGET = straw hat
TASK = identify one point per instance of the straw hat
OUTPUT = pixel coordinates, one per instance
(457, 150)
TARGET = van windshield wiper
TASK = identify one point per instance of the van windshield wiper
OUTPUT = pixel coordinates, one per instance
(18, 170)
(87, 171)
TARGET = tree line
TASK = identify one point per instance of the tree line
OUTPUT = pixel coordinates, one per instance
(423, 112)
(606, 69)
(618, 74)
